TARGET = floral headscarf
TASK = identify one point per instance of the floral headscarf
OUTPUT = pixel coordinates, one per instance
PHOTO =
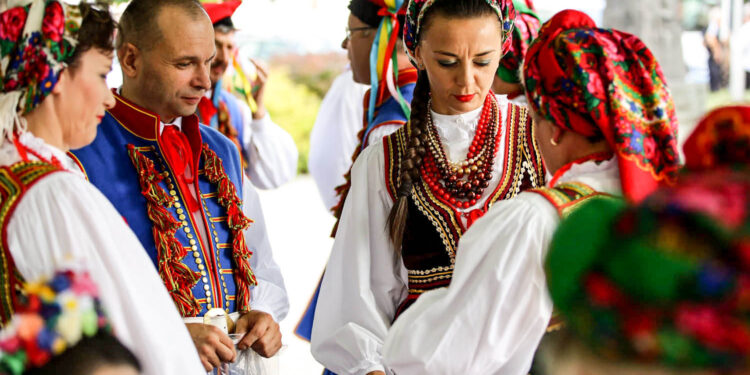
(416, 9)
(665, 282)
(599, 82)
(36, 37)
(52, 316)
(722, 138)
(526, 29)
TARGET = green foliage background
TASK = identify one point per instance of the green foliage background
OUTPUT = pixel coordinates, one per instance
(294, 107)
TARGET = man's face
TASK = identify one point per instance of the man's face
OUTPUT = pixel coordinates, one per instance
(358, 48)
(224, 51)
(174, 73)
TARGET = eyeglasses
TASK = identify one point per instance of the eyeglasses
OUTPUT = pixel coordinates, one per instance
(349, 31)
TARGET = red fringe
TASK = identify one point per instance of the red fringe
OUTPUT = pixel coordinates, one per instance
(237, 221)
(178, 278)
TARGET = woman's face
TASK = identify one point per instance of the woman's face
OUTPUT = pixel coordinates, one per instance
(461, 56)
(84, 97)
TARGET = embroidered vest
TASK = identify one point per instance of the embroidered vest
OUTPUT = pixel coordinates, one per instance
(566, 198)
(15, 181)
(433, 227)
(127, 163)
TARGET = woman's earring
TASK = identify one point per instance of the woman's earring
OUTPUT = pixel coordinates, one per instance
(553, 142)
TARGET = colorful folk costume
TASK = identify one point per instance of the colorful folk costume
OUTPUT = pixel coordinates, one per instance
(181, 189)
(525, 30)
(51, 217)
(441, 205)
(663, 284)
(268, 153)
(386, 103)
(498, 292)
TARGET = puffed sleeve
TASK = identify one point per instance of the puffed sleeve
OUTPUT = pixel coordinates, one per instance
(496, 309)
(62, 221)
(364, 281)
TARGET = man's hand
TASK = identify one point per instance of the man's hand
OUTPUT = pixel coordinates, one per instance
(262, 333)
(214, 347)
(259, 89)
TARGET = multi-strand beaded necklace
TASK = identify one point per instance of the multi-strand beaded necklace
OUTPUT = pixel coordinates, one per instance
(462, 184)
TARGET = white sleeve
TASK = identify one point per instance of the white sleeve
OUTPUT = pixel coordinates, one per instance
(270, 151)
(377, 134)
(496, 309)
(365, 279)
(270, 294)
(334, 136)
(63, 221)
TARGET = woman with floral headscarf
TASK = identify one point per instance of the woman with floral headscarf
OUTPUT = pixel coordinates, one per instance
(54, 59)
(414, 195)
(598, 96)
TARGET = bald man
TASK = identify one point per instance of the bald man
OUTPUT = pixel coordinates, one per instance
(180, 185)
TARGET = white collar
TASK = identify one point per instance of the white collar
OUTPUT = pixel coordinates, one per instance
(176, 122)
(603, 176)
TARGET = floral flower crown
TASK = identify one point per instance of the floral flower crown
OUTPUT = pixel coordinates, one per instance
(51, 317)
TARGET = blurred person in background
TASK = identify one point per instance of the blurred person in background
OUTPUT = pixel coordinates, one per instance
(717, 51)
(268, 153)
(334, 135)
(744, 40)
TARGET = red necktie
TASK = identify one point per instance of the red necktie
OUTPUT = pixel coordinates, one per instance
(179, 155)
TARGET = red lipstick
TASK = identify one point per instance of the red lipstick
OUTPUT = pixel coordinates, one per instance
(464, 98)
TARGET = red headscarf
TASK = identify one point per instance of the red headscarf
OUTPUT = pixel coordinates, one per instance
(606, 83)
(722, 138)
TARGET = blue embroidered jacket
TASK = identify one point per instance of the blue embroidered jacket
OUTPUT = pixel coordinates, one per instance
(108, 166)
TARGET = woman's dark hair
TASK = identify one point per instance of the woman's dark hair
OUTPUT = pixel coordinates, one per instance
(88, 355)
(97, 31)
(409, 173)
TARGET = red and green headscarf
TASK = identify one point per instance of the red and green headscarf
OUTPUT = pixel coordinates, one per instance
(665, 282)
(721, 139)
(600, 82)
(526, 29)
(416, 9)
